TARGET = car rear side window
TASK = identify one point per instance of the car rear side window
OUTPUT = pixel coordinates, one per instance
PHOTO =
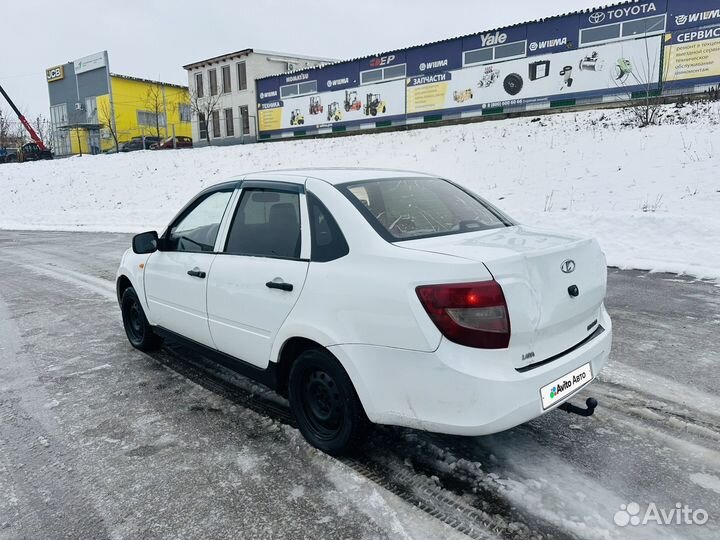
(328, 241)
(266, 224)
(410, 208)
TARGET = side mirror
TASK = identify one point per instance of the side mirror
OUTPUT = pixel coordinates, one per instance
(146, 242)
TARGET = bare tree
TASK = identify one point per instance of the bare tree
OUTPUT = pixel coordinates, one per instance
(645, 110)
(18, 133)
(5, 128)
(105, 115)
(155, 104)
(203, 108)
(42, 127)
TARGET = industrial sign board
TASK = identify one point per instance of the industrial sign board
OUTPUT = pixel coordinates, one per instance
(623, 12)
(90, 63)
(693, 54)
(686, 14)
(56, 73)
(553, 35)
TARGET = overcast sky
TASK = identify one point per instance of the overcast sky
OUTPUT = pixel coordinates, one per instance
(154, 39)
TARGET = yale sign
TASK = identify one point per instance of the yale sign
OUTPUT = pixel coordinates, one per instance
(55, 74)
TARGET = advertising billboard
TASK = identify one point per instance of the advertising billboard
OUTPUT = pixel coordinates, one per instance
(89, 63)
(693, 54)
(613, 67)
(370, 102)
(589, 56)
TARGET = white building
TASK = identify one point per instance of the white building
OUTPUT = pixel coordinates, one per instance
(228, 82)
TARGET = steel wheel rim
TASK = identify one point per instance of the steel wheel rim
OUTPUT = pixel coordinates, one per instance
(135, 323)
(323, 404)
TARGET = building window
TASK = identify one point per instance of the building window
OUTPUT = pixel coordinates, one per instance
(511, 50)
(394, 72)
(382, 74)
(203, 126)
(199, 90)
(601, 33)
(507, 51)
(650, 25)
(91, 111)
(58, 114)
(227, 85)
(229, 123)
(301, 89)
(242, 76)
(371, 76)
(478, 56)
(245, 119)
(151, 119)
(213, 82)
(185, 112)
(216, 124)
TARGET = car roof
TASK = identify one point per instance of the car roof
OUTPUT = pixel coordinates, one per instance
(335, 175)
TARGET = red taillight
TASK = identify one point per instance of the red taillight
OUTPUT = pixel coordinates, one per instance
(472, 314)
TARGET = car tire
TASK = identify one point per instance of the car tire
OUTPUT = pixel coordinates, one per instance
(139, 332)
(325, 404)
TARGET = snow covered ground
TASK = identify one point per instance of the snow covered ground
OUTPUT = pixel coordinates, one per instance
(651, 196)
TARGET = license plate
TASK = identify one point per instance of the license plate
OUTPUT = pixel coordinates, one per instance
(565, 386)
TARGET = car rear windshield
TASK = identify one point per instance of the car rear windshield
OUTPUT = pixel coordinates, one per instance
(410, 208)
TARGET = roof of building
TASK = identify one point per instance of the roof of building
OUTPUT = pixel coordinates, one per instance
(486, 31)
(139, 79)
(246, 52)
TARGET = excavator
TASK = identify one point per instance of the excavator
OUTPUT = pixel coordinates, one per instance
(32, 151)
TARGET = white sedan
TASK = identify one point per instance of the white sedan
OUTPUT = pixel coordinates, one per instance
(374, 296)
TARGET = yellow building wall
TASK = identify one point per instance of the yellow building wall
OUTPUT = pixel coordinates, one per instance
(131, 96)
(79, 142)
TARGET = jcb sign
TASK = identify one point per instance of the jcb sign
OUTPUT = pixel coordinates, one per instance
(55, 74)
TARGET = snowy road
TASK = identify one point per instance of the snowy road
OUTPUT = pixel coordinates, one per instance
(100, 441)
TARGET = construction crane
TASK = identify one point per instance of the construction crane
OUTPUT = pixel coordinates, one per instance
(31, 151)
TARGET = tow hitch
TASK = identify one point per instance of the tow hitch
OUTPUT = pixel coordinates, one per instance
(590, 403)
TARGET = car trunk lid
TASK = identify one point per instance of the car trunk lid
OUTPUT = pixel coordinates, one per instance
(538, 271)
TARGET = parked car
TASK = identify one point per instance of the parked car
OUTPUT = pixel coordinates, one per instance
(374, 296)
(180, 142)
(140, 143)
(8, 155)
(27, 152)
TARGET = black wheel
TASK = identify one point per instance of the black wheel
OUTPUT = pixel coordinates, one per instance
(137, 328)
(325, 403)
(513, 84)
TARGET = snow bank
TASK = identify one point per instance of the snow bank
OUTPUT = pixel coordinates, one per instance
(651, 196)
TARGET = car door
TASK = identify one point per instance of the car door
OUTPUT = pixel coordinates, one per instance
(176, 276)
(258, 274)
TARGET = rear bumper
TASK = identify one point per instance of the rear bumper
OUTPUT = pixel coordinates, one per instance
(454, 389)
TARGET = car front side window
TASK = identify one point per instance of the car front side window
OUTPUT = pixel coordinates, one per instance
(197, 229)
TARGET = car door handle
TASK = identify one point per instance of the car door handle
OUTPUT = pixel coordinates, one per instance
(196, 272)
(279, 285)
